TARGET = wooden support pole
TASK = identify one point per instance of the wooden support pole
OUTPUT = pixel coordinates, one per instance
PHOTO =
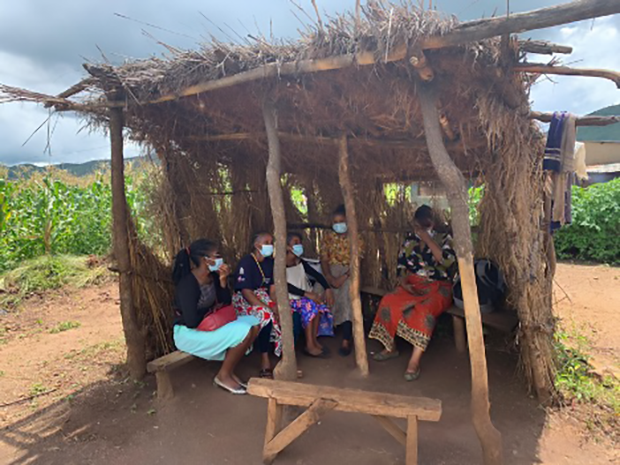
(287, 368)
(540, 68)
(299, 426)
(134, 337)
(456, 191)
(348, 192)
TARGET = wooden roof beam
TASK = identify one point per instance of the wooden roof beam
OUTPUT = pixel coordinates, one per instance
(540, 68)
(542, 47)
(581, 121)
(473, 31)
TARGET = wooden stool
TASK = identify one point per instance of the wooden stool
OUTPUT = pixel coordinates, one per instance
(161, 366)
(321, 399)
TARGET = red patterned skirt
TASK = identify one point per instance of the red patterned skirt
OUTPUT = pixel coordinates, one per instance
(411, 316)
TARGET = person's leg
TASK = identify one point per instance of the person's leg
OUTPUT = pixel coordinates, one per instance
(347, 338)
(233, 356)
(414, 361)
(264, 346)
(311, 344)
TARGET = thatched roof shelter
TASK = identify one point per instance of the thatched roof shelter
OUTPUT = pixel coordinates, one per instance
(360, 101)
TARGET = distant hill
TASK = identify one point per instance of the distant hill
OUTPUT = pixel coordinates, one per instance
(76, 169)
(601, 133)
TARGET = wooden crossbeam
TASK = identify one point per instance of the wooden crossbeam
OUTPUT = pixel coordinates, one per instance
(580, 121)
(299, 426)
(542, 47)
(472, 31)
(540, 68)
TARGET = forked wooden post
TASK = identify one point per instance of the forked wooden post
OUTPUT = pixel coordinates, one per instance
(287, 368)
(134, 337)
(456, 189)
(361, 358)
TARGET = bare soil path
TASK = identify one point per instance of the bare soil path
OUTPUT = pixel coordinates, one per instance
(93, 415)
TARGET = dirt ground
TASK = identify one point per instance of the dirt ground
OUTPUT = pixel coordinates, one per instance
(65, 399)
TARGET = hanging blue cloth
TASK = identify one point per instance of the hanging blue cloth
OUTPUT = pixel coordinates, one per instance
(553, 149)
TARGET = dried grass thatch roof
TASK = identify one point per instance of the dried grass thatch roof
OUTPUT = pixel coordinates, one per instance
(374, 104)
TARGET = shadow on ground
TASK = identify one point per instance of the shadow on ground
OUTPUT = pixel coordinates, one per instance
(119, 423)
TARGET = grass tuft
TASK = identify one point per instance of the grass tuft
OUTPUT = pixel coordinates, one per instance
(48, 272)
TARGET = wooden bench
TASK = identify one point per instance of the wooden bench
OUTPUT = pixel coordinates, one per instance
(319, 400)
(502, 320)
(161, 367)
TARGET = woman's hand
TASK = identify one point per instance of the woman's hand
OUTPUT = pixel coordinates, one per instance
(224, 273)
(276, 313)
(313, 296)
(329, 298)
(339, 282)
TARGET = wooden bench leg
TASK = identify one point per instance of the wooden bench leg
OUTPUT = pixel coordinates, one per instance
(274, 424)
(296, 429)
(412, 441)
(164, 385)
(458, 325)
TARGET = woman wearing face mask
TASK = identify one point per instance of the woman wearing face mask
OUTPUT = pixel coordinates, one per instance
(316, 319)
(199, 275)
(425, 292)
(255, 295)
(335, 263)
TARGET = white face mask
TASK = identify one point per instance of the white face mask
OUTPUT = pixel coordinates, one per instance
(266, 250)
(340, 228)
(217, 265)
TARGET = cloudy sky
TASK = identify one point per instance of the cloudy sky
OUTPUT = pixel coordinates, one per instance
(43, 45)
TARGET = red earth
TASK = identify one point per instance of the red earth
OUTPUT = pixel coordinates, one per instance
(65, 398)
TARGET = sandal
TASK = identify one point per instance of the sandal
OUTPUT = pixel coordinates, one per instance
(323, 354)
(266, 373)
(409, 376)
(383, 356)
(239, 391)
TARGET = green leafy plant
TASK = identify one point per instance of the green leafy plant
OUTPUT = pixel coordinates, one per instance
(594, 233)
(577, 384)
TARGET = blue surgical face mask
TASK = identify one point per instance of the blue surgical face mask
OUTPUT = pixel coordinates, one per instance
(298, 250)
(340, 228)
(217, 265)
(266, 250)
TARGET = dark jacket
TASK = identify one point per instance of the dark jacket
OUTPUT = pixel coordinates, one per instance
(187, 295)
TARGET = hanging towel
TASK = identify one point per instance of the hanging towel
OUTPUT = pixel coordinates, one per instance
(552, 161)
(560, 162)
(580, 161)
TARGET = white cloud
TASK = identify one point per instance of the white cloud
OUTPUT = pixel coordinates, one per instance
(595, 45)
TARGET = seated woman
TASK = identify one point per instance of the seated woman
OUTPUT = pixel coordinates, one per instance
(316, 319)
(199, 275)
(424, 292)
(335, 262)
(255, 295)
